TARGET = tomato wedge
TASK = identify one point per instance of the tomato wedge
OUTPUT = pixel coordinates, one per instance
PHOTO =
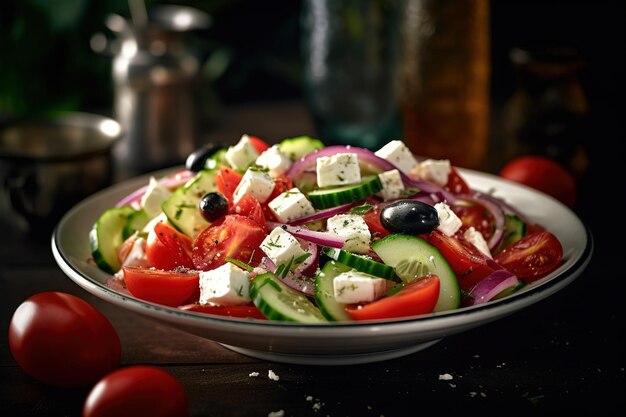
(533, 256)
(259, 144)
(162, 287)
(419, 297)
(233, 236)
(250, 207)
(476, 216)
(467, 262)
(167, 248)
(372, 219)
(227, 181)
(242, 311)
(456, 184)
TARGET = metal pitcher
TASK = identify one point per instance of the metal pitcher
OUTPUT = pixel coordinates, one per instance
(157, 87)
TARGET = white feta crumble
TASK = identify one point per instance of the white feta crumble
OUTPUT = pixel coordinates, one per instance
(226, 285)
(154, 196)
(258, 184)
(445, 377)
(339, 169)
(478, 240)
(279, 413)
(253, 374)
(357, 287)
(398, 154)
(276, 161)
(241, 155)
(353, 228)
(281, 247)
(435, 170)
(271, 375)
(291, 205)
(392, 185)
(137, 254)
(449, 223)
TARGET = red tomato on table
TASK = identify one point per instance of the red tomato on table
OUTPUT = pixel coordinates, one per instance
(137, 391)
(419, 297)
(233, 236)
(161, 287)
(533, 256)
(63, 340)
(543, 174)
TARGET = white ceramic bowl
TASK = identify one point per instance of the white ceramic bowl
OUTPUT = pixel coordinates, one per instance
(335, 343)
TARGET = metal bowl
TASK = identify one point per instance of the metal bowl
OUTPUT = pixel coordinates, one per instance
(48, 165)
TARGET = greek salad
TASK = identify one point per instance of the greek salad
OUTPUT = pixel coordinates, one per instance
(303, 232)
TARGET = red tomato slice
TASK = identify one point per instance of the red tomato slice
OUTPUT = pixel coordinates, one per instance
(476, 216)
(167, 249)
(137, 391)
(533, 256)
(467, 262)
(233, 236)
(259, 144)
(456, 184)
(419, 297)
(250, 207)
(242, 311)
(372, 219)
(227, 181)
(161, 287)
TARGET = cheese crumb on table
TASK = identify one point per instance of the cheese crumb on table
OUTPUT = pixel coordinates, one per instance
(445, 377)
(271, 375)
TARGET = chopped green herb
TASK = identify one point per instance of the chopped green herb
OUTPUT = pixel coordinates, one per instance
(239, 263)
(362, 209)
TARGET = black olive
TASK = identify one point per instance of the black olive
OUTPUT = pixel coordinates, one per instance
(197, 159)
(213, 206)
(409, 217)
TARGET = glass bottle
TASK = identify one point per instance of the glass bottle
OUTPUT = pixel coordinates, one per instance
(446, 79)
(548, 113)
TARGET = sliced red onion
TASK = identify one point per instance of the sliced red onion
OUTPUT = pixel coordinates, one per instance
(309, 265)
(496, 212)
(505, 206)
(324, 214)
(492, 285)
(170, 182)
(423, 197)
(298, 283)
(320, 238)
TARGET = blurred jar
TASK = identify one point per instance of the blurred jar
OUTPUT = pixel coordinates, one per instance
(351, 63)
(158, 87)
(548, 114)
(446, 79)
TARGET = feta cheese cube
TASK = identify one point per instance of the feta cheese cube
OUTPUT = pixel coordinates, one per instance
(435, 170)
(356, 287)
(353, 228)
(281, 247)
(274, 160)
(339, 169)
(477, 239)
(153, 198)
(226, 285)
(258, 184)
(449, 223)
(291, 205)
(398, 154)
(241, 155)
(392, 185)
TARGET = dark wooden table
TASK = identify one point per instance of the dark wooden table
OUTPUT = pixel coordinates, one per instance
(561, 356)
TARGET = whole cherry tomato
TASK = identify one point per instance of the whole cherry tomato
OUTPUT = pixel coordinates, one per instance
(543, 174)
(63, 340)
(137, 391)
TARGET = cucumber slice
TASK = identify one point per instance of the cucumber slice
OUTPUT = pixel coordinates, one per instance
(331, 197)
(514, 230)
(181, 208)
(279, 302)
(216, 160)
(136, 221)
(396, 249)
(324, 292)
(105, 237)
(360, 263)
(299, 146)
